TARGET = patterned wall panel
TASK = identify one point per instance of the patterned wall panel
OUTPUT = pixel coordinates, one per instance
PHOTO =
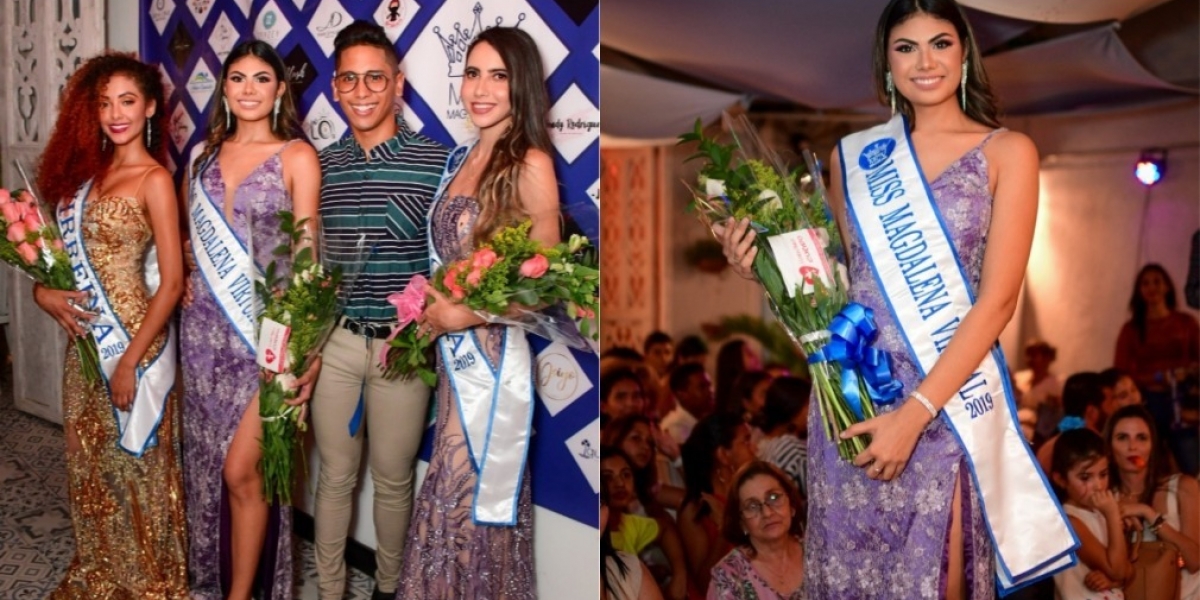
(629, 248)
(191, 38)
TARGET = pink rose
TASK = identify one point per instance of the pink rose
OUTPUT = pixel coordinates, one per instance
(457, 292)
(22, 209)
(411, 302)
(16, 232)
(11, 213)
(5, 197)
(535, 266)
(27, 252)
(484, 258)
(474, 277)
(449, 279)
(32, 221)
(58, 244)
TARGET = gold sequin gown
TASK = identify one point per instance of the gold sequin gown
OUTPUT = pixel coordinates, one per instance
(127, 512)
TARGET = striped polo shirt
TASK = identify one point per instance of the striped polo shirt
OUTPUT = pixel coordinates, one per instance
(385, 194)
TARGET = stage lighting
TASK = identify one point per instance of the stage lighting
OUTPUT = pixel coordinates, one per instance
(1151, 166)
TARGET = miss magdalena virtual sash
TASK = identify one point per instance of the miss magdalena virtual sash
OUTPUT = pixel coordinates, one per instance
(494, 402)
(138, 426)
(915, 264)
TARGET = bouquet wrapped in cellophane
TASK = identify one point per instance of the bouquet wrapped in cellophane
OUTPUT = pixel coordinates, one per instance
(514, 280)
(298, 314)
(33, 245)
(801, 264)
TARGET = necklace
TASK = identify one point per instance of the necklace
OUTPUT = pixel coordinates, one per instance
(779, 577)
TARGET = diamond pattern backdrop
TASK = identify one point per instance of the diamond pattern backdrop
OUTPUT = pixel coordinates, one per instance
(191, 38)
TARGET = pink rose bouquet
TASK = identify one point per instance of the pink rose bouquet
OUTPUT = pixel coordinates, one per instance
(550, 291)
(407, 353)
(32, 243)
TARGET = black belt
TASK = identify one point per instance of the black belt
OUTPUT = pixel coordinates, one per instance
(368, 329)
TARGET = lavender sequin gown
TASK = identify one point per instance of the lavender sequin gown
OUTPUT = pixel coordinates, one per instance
(220, 378)
(447, 556)
(869, 539)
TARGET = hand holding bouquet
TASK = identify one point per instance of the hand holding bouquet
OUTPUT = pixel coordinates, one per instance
(407, 352)
(33, 244)
(801, 265)
(298, 315)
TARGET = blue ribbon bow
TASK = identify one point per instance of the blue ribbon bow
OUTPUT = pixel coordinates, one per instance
(853, 330)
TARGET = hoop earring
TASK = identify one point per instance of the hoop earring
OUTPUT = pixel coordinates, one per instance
(275, 115)
(228, 124)
(963, 85)
(891, 90)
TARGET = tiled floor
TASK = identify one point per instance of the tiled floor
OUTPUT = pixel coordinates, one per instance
(36, 544)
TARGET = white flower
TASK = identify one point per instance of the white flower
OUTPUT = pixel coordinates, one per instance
(774, 202)
(823, 235)
(843, 275)
(714, 188)
(287, 381)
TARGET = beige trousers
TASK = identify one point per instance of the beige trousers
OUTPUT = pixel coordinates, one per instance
(394, 419)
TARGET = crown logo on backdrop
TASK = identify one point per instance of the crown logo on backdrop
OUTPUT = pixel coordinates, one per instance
(456, 41)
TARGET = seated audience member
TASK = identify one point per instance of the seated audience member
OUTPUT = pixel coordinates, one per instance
(775, 369)
(690, 349)
(627, 442)
(618, 357)
(764, 523)
(659, 350)
(784, 422)
(634, 435)
(1038, 388)
(622, 575)
(719, 445)
(1165, 505)
(1124, 391)
(749, 394)
(693, 394)
(1080, 475)
(734, 358)
(620, 395)
(1083, 407)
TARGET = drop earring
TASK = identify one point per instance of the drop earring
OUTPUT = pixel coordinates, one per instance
(275, 115)
(103, 142)
(228, 124)
(149, 135)
(891, 91)
(962, 86)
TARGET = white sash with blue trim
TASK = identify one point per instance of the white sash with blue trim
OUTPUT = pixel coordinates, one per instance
(915, 264)
(224, 263)
(137, 426)
(494, 402)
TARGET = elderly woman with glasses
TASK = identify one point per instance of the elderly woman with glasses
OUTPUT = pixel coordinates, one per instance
(764, 522)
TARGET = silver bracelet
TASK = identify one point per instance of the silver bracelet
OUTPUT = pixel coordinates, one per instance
(919, 397)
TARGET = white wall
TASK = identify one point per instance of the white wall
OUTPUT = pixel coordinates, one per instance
(124, 20)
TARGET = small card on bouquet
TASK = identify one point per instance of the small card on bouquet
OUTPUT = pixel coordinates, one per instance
(800, 256)
(272, 345)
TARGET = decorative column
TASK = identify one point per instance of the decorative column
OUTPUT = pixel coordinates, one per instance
(42, 42)
(630, 278)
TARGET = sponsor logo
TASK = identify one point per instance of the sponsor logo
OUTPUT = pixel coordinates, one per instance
(875, 153)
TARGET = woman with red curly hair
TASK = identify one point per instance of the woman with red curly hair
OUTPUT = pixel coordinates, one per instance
(116, 206)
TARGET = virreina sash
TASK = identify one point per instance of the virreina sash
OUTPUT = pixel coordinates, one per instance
(137, 428)
(224, 262)
(494, 402)
(928, 293)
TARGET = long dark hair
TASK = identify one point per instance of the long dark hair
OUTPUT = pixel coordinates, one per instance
(75, 152)
(731, 363)
(498, 199)
(786, 398)
(699, 454)
(607, 551)
(1137, 304)
(1158, 464)
(285, 127)
(981, 103)
(644, 478)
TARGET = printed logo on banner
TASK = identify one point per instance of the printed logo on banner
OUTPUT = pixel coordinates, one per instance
(443, 54)
(560, 379)
(593, 192)
(201, 85)
(180, 46)
(200, 10)
(271, 26)
(300, 70)
(168, 85)
(160, 12)
(584, 447)
(181, 127)
(325, 24)
(395, 15)
(223, 37)
(323, 125)
(574, 123)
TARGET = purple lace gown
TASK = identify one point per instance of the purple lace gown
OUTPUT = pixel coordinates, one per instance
(220, 378)
(447, 556)
(869, 539)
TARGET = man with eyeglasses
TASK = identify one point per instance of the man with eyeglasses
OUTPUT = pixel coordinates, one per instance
(376, 184)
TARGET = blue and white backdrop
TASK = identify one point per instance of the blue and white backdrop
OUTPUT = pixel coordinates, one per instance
(190, 39)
